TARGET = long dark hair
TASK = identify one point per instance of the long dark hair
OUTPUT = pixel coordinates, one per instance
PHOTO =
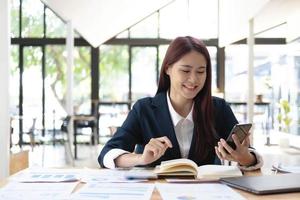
(203, 108)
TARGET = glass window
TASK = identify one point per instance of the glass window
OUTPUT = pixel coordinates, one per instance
(236, 69)
(143, 67)
(235, 72)
(273, 81)
(162, 53)
(14, 82)
(55, 86)
(213, 57)
(284, 85)
(111, 117)
(114, 78)
(14, 88)
(55, 26)
(15, 20)
(32, 88)
(32, 18)
(146, 28)
(82, 80)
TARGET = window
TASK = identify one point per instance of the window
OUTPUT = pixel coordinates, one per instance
(32, 18)
(143, 69)
(114, 79)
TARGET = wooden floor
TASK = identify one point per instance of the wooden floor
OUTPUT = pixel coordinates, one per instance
(55, 156)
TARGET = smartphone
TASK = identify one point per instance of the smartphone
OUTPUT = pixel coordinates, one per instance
(241, 131)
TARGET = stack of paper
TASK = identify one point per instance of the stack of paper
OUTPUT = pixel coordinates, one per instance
(286, 169)
(197, 191)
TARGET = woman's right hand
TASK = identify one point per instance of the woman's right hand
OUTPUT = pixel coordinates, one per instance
(155, 149)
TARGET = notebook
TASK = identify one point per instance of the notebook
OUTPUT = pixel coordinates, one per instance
(269, 184)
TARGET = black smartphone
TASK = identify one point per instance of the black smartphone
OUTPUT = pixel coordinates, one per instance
(241, 131)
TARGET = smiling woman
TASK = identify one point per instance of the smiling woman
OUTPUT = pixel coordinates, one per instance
(182, 120)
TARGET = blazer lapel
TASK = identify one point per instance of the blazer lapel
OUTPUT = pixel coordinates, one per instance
(192, 147)
(164, 120)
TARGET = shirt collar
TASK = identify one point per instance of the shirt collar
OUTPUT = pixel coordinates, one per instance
(175, 116)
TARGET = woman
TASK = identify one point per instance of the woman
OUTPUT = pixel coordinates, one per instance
(181, 120)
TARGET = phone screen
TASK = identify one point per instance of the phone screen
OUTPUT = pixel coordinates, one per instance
(241, 131)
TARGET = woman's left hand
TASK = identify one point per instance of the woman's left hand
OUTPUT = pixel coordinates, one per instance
(241, 154)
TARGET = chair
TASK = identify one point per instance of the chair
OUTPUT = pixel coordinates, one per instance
(31, 133)
(83, 121)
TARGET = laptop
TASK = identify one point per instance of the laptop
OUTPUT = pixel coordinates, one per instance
(268, 184)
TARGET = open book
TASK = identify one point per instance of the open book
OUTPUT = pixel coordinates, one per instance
(187, 168)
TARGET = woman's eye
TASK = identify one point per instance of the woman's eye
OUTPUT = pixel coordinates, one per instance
(200, 72)
(185, 71)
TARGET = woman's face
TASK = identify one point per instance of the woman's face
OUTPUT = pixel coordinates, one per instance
(187, 76)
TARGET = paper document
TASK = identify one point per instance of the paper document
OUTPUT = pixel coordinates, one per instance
(208, 191)
(107, 175)
(47, 175)
(114, 191)
(286, 169)
(140, 173)
(37, 191)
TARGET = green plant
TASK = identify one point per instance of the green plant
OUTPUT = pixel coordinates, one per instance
(283, 117)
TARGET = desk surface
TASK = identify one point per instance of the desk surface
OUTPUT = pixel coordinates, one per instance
(250, 196)
(247, 195)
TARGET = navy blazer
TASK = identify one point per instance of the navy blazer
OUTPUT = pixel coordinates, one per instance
(150, 118)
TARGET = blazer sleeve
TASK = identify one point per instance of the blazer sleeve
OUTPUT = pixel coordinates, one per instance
(224, 117)
(127, 136)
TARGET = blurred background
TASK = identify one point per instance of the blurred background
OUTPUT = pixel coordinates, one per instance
(117, 54)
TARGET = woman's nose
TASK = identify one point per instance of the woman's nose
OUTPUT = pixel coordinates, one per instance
(193, 77)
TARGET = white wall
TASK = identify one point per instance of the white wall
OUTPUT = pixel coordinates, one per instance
(4, 91)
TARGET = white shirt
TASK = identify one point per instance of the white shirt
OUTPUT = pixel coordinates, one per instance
(184, 132)
(183, 129)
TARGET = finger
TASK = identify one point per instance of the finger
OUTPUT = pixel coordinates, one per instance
(157, 143)
(218, 153)
(236, 141)
(166, 141)
(158, 151)
(221, 150)
(223, 153)
(226, 146)
(153, 149)
(246, 142)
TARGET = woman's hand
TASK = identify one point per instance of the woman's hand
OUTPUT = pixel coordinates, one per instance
(241, 154)
(155, 149)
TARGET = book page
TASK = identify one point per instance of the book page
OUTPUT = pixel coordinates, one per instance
(177, 162)
(218, 171)
(177, 167)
